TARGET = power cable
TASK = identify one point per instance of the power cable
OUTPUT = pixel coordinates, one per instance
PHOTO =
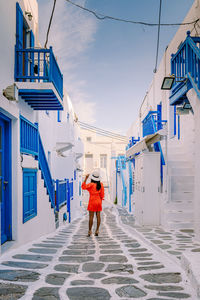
(100, 16)
(47, 36)
(158, 38)
(103, 130)
(104, 134)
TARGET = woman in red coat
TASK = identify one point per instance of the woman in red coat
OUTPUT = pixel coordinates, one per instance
(96, 190)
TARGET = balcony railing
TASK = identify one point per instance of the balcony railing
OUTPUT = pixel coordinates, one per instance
(38, 65)
(61, 193)
(151, 124)
(28, 137)
(185, 64)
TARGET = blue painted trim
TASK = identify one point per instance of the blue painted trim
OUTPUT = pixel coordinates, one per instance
(174, 120)
(180, 94)
(194, 85)
(179, 129)
(58, 116)
(130, 184)
(8, 175)
(40, 73)
(186, 64)
(28, 137)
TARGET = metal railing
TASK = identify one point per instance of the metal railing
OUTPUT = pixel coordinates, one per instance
(151, 124)
(28, 137)
(186, 62)
(121, 163)
(46, 174)
(61, 193)
(38, 65)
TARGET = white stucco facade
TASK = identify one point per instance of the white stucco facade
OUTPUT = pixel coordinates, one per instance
(179, 193)
(60, 137)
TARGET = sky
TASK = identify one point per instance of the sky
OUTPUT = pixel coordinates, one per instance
(108, 65)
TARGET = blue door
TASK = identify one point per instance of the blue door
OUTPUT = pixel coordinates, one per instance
(5, 179)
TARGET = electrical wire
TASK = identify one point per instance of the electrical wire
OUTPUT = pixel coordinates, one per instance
(158, 38)
(102, 130)
(100, 16)
(47, 36)
(91, 126)
(104, 134)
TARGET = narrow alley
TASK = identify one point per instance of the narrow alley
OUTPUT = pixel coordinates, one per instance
(120, 263)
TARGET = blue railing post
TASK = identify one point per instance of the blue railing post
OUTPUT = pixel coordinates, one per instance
(50, 64)
(68, 200)
(159, 116)
(57, 195)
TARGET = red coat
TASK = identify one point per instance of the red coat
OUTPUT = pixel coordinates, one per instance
(96, 197)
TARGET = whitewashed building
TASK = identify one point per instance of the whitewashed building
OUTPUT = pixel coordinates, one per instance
(166, 138)
(100, 153)
(40, 145)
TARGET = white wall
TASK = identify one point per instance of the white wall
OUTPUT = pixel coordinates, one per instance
(109, 147)
(61, 167)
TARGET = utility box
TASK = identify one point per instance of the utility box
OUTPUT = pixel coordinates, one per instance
(147, 188)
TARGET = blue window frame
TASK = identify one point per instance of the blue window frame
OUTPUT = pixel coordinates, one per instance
(29, 194)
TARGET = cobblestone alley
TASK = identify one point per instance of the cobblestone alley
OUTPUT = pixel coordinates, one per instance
(119, 264)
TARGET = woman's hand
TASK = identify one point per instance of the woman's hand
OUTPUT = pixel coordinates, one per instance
(86, 177)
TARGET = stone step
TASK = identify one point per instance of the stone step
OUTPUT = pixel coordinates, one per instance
(188, 171)
(180, 225)
(180, 215)
(179, 205)
(182, 195)
(180, 163)
(176, 156)
(182, 185)
(184, 178)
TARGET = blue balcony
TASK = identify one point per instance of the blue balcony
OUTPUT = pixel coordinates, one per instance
(39, 79)
(185, 65)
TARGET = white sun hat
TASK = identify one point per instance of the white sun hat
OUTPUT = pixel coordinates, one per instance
(95, 175)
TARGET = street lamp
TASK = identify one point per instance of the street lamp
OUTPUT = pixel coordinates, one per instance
(167, 83)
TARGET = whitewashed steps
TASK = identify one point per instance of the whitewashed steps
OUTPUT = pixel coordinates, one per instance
(180, 225)
(179, 205)
(180, 215)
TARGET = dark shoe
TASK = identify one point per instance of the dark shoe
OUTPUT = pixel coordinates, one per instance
(96, 233)
(89, 233)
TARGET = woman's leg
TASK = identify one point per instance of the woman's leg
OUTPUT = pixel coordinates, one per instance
(98, 221)
(91, 216)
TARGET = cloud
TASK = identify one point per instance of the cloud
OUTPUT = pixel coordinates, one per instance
(72, 33)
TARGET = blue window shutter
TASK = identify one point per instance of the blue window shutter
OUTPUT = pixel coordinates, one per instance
(29, 194)
(19, 27)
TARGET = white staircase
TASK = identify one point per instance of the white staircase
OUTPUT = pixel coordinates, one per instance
(179, 209)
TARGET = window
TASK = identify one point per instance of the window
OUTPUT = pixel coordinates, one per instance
(103, 160)
(29, 194)
(88, 139)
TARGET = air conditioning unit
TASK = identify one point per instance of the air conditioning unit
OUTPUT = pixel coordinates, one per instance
(11, 92)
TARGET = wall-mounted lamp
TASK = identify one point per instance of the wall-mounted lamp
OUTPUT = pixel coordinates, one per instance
(187, 105)
(29, 14)
(167, 82)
